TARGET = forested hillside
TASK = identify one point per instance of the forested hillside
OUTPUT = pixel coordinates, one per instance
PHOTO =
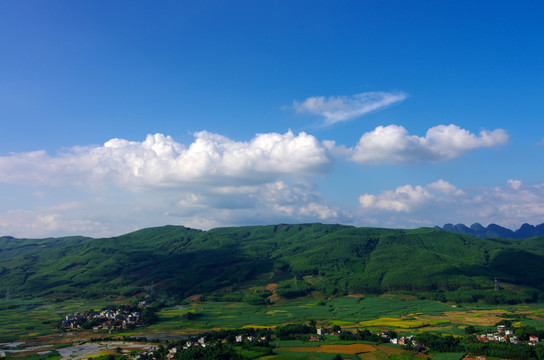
(302, 259)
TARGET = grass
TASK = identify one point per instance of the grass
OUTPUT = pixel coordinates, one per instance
(38, 319)
(344, 311)
(448, 356)
(370, 312)
(28, 319)
(299, 355)
(373, 312)
(25, 319)
(53, 355)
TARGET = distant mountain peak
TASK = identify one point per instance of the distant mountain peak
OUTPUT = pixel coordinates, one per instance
(477, 227)
(494, 230)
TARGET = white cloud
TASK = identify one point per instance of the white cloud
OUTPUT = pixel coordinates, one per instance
(45, 222)
(282, 201)
(402, 199)
(514, 184)
(445, 188)
(159, 161)
(215, 181)
(117, 211)
(342, 108)
(215, 160)
(441, 202)
(392, 144)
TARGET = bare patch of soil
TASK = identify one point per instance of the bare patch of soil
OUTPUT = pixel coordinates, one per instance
(356, 295)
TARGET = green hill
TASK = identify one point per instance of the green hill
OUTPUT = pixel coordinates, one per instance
(239, 262)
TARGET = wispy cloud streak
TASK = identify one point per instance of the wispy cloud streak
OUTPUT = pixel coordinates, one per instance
(342, 108)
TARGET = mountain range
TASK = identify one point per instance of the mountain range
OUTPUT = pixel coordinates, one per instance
(260, 263)
(495, 231)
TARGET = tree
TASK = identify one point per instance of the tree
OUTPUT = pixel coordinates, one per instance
(392, 334)
(504, 322)
(470, 329)
(539, 349)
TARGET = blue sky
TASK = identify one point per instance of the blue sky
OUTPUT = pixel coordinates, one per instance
(128, 114)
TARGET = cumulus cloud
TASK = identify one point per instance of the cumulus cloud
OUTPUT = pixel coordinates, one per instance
(393, 144)
(117, 211)
(213, 160)
(45, 222)
(446, 188)
(402, 199)
(159, 161)
(215, 181)
(342, 108)
(514, 184)
(441, 202)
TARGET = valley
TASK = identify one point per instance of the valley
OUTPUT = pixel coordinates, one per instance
(158, 287)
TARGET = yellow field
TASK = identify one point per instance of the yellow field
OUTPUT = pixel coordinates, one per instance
(393, 322)
(412, 321)
(101, 353)
(254, 326)
(341, 322)
(272, 312)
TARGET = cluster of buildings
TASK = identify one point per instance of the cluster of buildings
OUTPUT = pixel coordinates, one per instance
(105, 320)
(149, 354)
(402, 340)
(504, 335)
(322, 332)
(203, 342)
(238, 339)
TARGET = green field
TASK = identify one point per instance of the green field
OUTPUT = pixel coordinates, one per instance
(344, 311)
(25, 319)
(373, 312)
(29, 319)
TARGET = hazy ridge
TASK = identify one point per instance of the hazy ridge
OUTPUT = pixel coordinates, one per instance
(495, 231)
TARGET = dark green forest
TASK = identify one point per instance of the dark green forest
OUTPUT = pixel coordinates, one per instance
(235, 264)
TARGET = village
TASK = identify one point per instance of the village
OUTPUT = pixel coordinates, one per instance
(127, 318)
(504, 335)
(319, 336)
(106, 319)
